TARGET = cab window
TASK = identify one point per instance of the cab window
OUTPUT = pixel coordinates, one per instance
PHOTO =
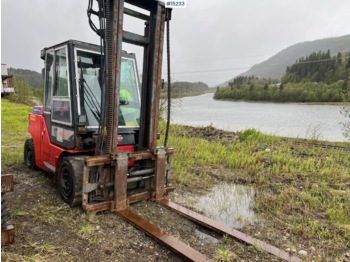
(48, 79)
(61, 109)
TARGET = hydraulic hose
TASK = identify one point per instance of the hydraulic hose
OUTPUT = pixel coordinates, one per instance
(169, 82)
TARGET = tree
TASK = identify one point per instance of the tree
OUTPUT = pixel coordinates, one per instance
(348, 61)
(281, 87)
(339, 58)
(39, 94)
(345, 111)
(23, 92)
(266, 87)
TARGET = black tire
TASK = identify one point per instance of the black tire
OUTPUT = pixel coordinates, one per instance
(29, 154)
(70, 179)
(3, 210)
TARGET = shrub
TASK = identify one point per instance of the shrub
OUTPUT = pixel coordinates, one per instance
(250, 134)
(345, 111)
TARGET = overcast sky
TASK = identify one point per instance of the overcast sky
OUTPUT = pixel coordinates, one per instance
(211, 41)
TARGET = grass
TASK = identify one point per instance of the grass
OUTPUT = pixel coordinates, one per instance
(224, 255)
(14, 126)
(300, 188)
(86, 230)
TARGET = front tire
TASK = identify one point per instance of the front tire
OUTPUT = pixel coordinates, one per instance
(29, 154)
(70, 179)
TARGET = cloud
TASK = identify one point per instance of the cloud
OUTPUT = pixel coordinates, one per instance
(207, 37)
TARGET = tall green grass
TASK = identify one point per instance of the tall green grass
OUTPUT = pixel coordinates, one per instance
(303, 188)
(14, 126)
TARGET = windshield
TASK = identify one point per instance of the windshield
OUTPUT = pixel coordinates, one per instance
(89, 87)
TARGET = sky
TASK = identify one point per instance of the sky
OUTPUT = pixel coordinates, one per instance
(211, 41)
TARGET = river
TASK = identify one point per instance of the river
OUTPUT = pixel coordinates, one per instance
(321, 122)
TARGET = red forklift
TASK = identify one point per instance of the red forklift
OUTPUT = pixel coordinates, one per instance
(97, 115)
(97, 130)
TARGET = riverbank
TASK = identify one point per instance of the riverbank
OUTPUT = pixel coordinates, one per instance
(301, 187)
(301, 200)
(287, 102)
(288, 120)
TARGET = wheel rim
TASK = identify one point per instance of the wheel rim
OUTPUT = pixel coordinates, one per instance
(66, 183)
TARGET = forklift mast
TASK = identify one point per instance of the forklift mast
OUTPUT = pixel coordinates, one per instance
(152, 43)
(150, 163)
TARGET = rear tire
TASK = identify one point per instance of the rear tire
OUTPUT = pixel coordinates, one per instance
(70, 179)
(29, 154)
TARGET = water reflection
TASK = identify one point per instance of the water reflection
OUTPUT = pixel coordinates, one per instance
(290, 120)
(228, 203)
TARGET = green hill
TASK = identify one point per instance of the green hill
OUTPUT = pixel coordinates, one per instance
(33, 78)
(276, 66)
(318, 77)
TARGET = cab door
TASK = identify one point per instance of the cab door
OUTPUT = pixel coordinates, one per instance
(57, 131)
(62, 131)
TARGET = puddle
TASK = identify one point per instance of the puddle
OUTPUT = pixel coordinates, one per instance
(228, 203)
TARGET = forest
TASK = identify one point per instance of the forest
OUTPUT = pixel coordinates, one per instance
(318, 77)
(33, 78)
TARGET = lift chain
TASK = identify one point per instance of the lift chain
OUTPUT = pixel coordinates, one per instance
(168, 17)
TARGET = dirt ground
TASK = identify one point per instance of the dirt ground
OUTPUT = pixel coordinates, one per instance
(46, 229)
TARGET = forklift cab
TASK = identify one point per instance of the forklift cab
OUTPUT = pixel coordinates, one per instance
(72, 97)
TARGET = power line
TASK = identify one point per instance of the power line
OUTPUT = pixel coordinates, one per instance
(211, 70)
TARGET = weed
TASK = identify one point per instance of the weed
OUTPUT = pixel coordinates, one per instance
(48, 213)
(338, 214)
(121, 241)
(15, 212)
(226, 238)
(313, 133)
(42, 250)
(224, 255)
(86, 230)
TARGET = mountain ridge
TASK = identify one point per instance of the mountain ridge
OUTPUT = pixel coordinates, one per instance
(276, 65)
